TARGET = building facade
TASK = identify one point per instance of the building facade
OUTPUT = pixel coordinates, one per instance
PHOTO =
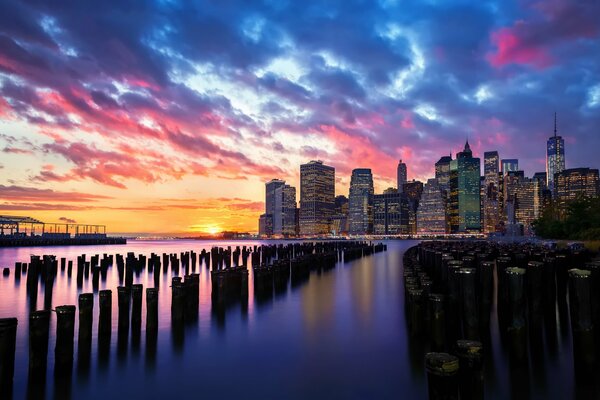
(509, 164)
(317, 197)
(284, 213)
(401, 175)
(555, 158)
(431, 212)
(360, 202)
(465, 199)
(574, 183)
(491, 196)
(390, 213)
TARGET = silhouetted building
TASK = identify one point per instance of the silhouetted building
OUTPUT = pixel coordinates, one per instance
(390, 213)
(360, 200)
(317, 197)
(402, 175)
(555, 157)
(465, 204)
(431, 213)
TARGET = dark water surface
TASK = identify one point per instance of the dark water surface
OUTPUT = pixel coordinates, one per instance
(342, 334)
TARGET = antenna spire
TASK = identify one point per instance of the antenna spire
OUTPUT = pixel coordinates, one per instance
(554, 123)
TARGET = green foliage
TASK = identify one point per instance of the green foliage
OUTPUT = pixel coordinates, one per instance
(580, 220)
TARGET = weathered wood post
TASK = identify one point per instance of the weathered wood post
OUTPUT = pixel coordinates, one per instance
(469, 309)
(39, 332)
(581, 319)
(65, 331)
(124, 302)
(437, 316)
(470, 359)
(8, 338)
(517, 311)
(84, 341)
(136, 314)
(104, 325)
(442, 376)
(151, 324)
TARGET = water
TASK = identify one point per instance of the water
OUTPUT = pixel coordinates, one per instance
(342, 334)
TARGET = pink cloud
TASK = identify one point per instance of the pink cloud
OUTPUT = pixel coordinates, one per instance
(511, 49)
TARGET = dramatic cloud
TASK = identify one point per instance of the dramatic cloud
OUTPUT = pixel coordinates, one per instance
(144, 100)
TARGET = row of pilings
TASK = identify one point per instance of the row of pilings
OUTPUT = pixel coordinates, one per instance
(273, 268)
(450, 292)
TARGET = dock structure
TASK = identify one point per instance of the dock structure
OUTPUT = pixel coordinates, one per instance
(456, 280)
(274, 269)
(21, 231)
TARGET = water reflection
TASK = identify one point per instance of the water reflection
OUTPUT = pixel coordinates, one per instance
(311, 329)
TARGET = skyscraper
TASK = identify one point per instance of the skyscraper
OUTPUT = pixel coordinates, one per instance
(431, 214)
(360, 202)
(270, 194)
(266, 221)
(509, 164)
(465, 207)
(390, 213)
(402, 176)
(284, 213)
(413, 191)
(574, 183)
(317, 197)
(442, 173)
(555, 157)
(491, 199)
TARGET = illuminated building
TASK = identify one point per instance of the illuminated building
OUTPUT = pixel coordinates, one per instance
(490, 192)
(555, 157)
(265, 225)
(390, 213)
(509, 165)
(413, 191)
(284, 213)
(317, 197)
(575, 183)
(360, 217)
(402, 175)
(465, 203)
(431, 213)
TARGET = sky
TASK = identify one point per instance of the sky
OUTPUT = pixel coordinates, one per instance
(169, 116)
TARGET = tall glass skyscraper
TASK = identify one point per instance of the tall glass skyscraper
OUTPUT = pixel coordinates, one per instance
(431, 214)
(465, 200)
(360, 202)
(491, 199)
(402, 176)
(390, 213)
(284, 213)
(317, 197)
(509, 165)
(555, 157)
(270, 194)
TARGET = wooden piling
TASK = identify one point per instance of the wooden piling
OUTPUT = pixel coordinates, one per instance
(470, 359)
(65, 331)
(442, 376)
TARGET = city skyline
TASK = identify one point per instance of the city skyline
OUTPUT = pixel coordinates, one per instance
(169, 117)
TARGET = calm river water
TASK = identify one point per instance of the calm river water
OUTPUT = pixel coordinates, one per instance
(342, 334)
